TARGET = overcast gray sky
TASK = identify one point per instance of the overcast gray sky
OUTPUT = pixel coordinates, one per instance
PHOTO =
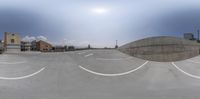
(98, 22)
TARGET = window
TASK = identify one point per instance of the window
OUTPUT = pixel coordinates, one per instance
(12, 41)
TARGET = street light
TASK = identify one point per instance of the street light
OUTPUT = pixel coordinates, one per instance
(116, 46)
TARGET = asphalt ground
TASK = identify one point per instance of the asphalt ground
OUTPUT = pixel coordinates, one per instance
(96, 74)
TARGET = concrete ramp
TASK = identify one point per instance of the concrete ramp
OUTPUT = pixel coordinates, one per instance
(162, 49)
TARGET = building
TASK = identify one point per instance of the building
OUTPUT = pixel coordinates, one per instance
(71, 48)
(25, 46)
(189, 36)
(33, 45)
(66, 48)
(43, 46)
(1, 47)
(89, 46)
(59, 49)
(12, 42)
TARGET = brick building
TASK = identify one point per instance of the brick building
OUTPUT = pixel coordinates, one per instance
(43, 46)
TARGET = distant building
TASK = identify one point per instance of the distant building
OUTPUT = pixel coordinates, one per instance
(89, 46)
(1, 47)
(1, 43)
(71, 48)
(189, 36)
(43, 46)
(25, 46)
(12, 42)
(66, 48)
(59, 49)
(33, 45)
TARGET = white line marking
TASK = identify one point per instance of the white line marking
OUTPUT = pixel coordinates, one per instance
(22, 77)
(89, 55)
(68, 52)
(188, 74)
(118, 74)
(113, 59)
(193, 61)
(11, 63)
(81, 52)
(3, 60)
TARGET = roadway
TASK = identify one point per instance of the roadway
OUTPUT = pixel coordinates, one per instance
(96, 74)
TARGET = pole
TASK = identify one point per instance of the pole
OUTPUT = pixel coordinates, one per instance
(116, 46)
(198, 34)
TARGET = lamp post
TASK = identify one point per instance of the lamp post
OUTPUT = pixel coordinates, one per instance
(116, 46)
(198, 34)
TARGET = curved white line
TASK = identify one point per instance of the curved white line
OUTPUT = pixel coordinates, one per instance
(81, 52)
(10, 63)
(3, 60)
(188, 74)
(113, 58)
(22, 77)
(119, 74)
(193, 61)
(89, 55)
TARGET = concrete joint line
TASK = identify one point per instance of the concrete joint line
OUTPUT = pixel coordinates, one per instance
(115, 59)
(112, 75)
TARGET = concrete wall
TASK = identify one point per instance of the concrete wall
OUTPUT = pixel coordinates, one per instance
(162, 49)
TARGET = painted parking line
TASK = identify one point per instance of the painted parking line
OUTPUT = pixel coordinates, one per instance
(3, 60)
(4, 55)
(69, 52)
(81, 53)
(22, 77)
(89, 55)
(114, 59)
(12, 63)
(186, 73)
(112, 75)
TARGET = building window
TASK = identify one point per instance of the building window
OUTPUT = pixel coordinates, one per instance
(13, 34)
(12, 41)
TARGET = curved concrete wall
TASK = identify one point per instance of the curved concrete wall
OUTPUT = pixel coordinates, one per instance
(162, 49)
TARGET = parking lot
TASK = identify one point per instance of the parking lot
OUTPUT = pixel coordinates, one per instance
(96, 74)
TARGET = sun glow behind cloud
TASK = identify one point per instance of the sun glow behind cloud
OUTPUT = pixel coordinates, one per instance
(99, 10)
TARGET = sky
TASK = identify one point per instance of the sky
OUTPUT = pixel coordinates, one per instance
(98, 22)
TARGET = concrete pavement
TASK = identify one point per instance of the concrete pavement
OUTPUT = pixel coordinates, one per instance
(63, 78)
